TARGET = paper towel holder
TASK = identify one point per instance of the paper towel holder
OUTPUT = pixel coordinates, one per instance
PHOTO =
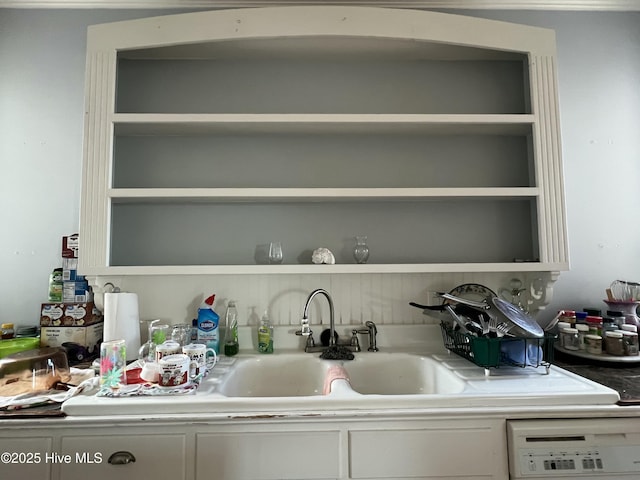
(98, 297)
(114, 289)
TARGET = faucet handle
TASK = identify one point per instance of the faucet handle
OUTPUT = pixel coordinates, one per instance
(373, 331)
(355, 343)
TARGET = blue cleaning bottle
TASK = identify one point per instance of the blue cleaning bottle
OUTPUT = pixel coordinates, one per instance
(208, 325)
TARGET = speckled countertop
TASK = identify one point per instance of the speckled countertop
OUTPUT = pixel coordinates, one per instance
(623, 377)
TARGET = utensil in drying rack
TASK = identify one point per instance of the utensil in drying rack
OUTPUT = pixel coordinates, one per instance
(486, 328)
(521, 323)
(461, 315)
(499, 328)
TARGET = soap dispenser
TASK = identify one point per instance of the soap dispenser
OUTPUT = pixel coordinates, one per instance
(231, 345)
(265, 334)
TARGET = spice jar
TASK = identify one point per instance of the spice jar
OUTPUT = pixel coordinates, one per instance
(593, 344)
(630, 343)
(629, 328)
(560, 326)
(613, 343)
(595, 324)
(581, 317)
(583, 330)
(568, 316)
(7, 331)
(609, 324)
(618, 317)
(570, 338)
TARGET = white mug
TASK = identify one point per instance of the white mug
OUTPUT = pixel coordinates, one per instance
(150, 372)
(167, 348)
(174, 370)
(200, 361)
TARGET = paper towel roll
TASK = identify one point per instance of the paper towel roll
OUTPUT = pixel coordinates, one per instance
(122, 320)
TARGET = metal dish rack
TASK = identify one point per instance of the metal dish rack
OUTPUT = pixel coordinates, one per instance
(496, 352)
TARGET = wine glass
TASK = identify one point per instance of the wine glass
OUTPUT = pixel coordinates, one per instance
(275, 253)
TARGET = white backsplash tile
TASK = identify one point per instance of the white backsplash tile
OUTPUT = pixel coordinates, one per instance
(382, 298)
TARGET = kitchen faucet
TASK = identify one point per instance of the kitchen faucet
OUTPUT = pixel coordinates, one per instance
(335, 350)
(306, 329)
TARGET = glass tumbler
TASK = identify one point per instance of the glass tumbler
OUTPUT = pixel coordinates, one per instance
(181, 333)
(275, 253)
(113, 362)
(158, 334)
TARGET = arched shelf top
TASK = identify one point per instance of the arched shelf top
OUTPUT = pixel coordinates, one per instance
(296, 30)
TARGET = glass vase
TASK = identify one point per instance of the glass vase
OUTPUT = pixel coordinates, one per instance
(361, 250)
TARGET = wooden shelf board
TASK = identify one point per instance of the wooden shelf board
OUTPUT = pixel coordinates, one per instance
(131, 124)
(210, 195)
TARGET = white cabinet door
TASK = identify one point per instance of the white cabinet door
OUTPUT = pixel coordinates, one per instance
(124, 457)
(268, 455)
(25, 458)
(460, 450)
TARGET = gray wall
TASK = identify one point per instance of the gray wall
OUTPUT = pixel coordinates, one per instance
(41, 120)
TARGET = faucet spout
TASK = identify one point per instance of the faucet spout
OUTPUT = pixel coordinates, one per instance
(305, 313)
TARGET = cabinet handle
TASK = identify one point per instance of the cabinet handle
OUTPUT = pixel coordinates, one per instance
(121, 458)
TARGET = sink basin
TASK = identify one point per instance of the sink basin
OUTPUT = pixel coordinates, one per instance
(295, 375)
(401, 374)
(284, 375)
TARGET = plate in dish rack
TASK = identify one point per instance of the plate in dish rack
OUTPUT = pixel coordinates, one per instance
(472, 291)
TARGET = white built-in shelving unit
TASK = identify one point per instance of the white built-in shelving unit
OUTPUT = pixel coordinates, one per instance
(209, 134)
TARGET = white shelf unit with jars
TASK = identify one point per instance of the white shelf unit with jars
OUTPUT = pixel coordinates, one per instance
(209, 134)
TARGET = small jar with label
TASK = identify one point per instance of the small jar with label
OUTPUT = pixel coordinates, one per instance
(7, 331)
(570, 338)
(593, 344)
(595, 325)
(609, 324)
(618, 317)
(583, 330)
(560, 326)
(613, 343)
(581, 317)
(568, 316)
(630, 343)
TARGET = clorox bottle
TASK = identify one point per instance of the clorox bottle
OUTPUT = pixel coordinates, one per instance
(208, 325)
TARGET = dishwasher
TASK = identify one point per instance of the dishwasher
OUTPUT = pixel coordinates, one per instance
(598, 448)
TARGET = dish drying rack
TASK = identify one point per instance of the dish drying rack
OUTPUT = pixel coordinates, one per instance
(490, 352)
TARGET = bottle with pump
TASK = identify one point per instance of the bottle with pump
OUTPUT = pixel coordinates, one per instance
(265, 335)
(231, 345)
(208, 321)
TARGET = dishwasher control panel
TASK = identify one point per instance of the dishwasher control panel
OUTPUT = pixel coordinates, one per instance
(578, 448)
